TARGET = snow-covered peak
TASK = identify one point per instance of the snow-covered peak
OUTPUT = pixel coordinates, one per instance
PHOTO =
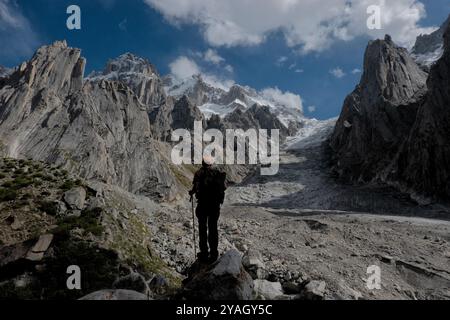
(214, 97)
(4, 72)
(138, 74)
(125, 66)
(430, 47)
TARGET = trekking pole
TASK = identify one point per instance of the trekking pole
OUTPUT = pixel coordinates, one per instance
(193, 228)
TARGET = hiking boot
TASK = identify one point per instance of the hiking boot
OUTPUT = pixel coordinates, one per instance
(202, 257)
(213, 258)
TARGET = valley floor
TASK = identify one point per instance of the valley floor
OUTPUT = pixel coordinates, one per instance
(306, 226)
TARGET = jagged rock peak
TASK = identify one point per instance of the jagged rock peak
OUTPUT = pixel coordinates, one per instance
(138, 74)
(380, 112)
(127, 63)
(390, 72)
(56, 66)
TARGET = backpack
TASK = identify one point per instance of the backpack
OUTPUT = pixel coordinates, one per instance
(212, 186)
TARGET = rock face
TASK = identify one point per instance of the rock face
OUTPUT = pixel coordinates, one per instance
(393, 128)
(98, 129)
(138, 74)
(430, 47)
(378, 115)
(174, 115)
(224, 280)
(424, 161)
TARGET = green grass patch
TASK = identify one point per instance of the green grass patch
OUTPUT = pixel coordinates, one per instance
(8, 195)
(70, 184)
(88, 221)
(49, 207)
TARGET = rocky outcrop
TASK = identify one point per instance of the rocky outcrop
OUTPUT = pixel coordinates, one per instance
(423, 163)
(379, 114)
(97, 129)
(224, 280)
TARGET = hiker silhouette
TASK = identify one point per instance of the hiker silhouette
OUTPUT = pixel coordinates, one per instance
(209, 187)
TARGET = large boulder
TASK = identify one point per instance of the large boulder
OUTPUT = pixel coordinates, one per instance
(115, 295)
(267, 290)
(133, 281)
(224, 280)
(75, 198)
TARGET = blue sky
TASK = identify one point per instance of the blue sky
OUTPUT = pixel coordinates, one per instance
(259, 58)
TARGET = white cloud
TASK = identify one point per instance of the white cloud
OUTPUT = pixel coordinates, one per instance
(281, 61)
(213, 57)
(299, 70)
(356, 71)
(18, 40)
(280, 98)
(338, 72)
(123, 25)
(183, 68)
(312, 109)
(307, 25)
(229, 68)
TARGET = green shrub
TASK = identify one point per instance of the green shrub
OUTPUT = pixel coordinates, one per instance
(39, 175)
(21, 182)
(7, 195)
(70, 184)
(88, 221)
(48, 207)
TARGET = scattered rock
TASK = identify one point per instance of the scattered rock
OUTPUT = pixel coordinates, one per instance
(291, 288)
(61, 208)
(267, 290)
(75, 198)
(314, 290)
(17, 224)
(37, 252)
(252, 262)
(95, 203)
(158, 285)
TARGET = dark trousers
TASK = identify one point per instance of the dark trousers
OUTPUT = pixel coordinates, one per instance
(208, 216)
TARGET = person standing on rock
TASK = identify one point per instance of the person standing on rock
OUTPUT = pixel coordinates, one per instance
(209, 187)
